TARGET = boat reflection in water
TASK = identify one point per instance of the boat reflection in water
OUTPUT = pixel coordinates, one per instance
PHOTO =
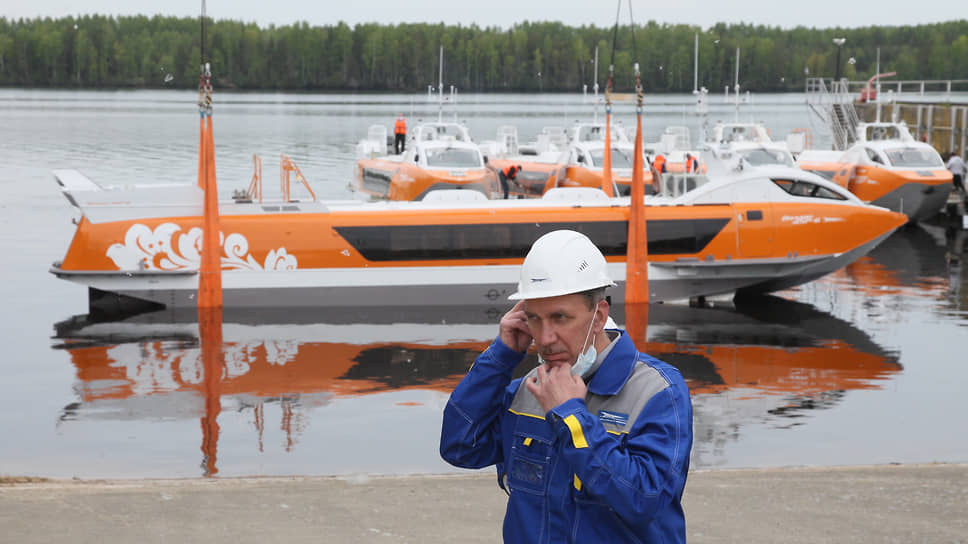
(919, 266)
(768, 359)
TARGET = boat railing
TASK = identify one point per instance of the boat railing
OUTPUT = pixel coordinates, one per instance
(255, 186)
(834, 107)
(288, 166)
(507, 136)
(454, 195)
(678, 184)
(575, 194)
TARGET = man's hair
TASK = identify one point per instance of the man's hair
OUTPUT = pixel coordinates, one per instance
(594, 296)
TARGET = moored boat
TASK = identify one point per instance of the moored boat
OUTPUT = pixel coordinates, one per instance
(753, 232)
(438, 156)
(581, 164)
(887, 167)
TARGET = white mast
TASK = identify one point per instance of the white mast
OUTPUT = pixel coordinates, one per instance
(695, 67)
(595, 87)
(736, 85)
(877, 71)
(440, 87)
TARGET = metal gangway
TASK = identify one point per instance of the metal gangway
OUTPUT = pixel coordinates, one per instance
(831, 102)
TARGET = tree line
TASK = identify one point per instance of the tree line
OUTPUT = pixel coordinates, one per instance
(164, 52)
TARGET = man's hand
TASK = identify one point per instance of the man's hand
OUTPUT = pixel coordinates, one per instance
(555, 386)
(514, 329)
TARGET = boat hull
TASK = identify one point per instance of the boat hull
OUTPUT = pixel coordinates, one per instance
(397, 180)
(315, 254)
(917, 194)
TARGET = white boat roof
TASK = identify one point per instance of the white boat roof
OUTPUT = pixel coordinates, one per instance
(740, 132)
(595, 132)
(440, 131)
(884, 131)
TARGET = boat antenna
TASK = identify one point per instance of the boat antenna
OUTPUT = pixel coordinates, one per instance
(695, 66)
(440, 87)
(736, 85)
(877, 98)
(595, 86)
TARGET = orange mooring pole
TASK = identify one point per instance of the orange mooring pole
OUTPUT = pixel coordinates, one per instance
(607, 160)
(637, 262)
(637, 259)
(210, 269)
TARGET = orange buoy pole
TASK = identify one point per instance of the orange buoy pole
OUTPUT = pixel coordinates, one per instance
(607, 160)
(210, 269)
(637, 263)
(637, 259)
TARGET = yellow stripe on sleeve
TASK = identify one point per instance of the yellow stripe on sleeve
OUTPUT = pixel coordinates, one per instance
(577, 483)
(577, 437)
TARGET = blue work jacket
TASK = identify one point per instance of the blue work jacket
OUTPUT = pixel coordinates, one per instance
(609, 468)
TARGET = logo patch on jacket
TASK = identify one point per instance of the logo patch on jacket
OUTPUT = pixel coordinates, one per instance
(615, 418)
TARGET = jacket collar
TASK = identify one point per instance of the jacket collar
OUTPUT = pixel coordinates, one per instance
(616, 368)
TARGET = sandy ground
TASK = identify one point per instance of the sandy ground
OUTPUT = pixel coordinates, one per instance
(904, 504)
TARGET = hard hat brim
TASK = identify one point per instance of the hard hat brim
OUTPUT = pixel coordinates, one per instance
(548, 293)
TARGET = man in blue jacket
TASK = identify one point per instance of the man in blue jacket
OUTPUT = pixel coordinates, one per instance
(593, 444)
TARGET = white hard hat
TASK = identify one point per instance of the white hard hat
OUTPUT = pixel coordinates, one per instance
(561, 262)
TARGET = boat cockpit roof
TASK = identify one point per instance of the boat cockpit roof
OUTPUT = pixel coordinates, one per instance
(595, 132)
(454, 132)
(874, 132)
(740, 132)
(450, 156)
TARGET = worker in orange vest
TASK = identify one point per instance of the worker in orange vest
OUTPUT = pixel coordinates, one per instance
(692, 164)
(400, 134)
(506, 174)
(659, 162)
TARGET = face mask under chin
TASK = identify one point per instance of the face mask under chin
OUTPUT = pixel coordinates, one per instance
(586, 359)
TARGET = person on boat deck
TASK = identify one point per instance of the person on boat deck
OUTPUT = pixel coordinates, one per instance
(593, 444)
(660, 163)
(400, 134)
(692, 165)
(509, 173)
(956, 166)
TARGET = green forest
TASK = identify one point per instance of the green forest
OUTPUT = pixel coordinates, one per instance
(164, 52)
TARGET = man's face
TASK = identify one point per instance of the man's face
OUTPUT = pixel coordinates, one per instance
(559, 326)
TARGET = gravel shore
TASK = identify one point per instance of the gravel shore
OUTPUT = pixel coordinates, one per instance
(893, 503)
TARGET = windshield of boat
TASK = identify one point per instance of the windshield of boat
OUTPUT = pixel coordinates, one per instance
(596, 133)
(762, 156)
(620, 158)
(799, 187)
(882, 132)
(454, 157)
(913, 157)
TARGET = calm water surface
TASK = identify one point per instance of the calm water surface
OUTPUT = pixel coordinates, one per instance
(867, 365)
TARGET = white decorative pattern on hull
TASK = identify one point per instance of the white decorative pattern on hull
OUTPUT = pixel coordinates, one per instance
(169, 248)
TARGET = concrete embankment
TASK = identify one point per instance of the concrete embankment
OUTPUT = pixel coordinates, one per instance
(909, 503)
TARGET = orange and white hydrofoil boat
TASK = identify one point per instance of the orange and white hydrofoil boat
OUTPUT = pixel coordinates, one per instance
(751, 232)
(438, 156)
(581, 164)
(887, 167)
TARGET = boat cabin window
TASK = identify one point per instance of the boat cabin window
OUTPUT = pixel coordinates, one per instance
(883, 133)
(734, 134)
(620, 158)
(446, 131)
(913, 157)
(766, 157)
(874, 156)
(800, 187)
(454, 157)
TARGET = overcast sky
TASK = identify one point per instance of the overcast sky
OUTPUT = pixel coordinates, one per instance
(504, 13)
